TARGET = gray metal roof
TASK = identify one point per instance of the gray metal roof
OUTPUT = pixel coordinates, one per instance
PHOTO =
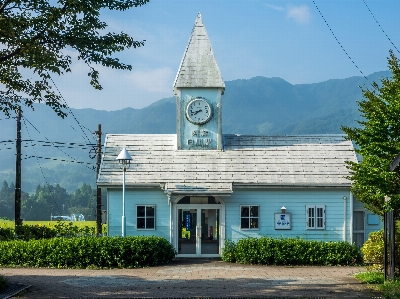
(275, 161)
(198, 67)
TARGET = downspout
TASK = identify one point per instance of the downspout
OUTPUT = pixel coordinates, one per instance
(164, 186)
(345, 217)
(351, 217)
(170, 218)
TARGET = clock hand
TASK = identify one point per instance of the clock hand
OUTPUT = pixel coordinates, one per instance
(197, 111)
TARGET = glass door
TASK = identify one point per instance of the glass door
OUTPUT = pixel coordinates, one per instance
(187, 224)
(209, 231)
(198, 231)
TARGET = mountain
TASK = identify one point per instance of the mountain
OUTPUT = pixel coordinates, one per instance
(266, 106)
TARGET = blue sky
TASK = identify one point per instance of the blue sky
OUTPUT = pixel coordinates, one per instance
(287, 39)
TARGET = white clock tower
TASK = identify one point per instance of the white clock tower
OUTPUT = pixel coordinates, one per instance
(198, 88)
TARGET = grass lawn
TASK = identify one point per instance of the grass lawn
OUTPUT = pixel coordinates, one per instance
(388, 289)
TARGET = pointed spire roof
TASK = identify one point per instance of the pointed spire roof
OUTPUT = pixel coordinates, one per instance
(198, 66)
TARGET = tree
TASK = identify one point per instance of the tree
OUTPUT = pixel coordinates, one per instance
(7, 201)
(33, 35)
(48, 200)
(378, 143)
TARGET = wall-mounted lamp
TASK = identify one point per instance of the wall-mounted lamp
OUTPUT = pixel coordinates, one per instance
(283, 210)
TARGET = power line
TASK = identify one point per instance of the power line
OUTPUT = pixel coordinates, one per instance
(33, 143)
(62, 160)
(53, 143)
(40, 166)
(380, 26)
(347, 54)
(69, 109)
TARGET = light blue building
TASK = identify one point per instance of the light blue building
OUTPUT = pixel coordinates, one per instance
(199, 187)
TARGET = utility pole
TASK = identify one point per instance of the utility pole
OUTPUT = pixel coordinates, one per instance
(18, 220)
(98, 190)
(389, 236)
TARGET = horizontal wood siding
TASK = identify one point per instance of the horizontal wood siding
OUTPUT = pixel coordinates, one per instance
(295, 201)
(133, 198)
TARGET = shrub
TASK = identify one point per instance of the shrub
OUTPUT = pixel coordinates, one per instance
(270, 251)
(87, 252)
(373, 251)
(6, 233)
(28, 232)
(46, 231)
(228, 252)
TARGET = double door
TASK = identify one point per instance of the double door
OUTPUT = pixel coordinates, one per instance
(199, 230)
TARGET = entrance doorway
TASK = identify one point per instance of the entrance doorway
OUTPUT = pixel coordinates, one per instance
(198, 229)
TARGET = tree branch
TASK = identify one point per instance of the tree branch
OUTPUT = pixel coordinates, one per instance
(3, 6)
(12, 54)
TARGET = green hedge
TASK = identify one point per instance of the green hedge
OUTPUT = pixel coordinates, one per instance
(87, 252)
(39, 231)
(270, 251)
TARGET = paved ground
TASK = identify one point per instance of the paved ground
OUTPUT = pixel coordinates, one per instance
(185, 278)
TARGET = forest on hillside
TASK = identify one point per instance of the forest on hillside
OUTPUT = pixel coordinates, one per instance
(48, 201)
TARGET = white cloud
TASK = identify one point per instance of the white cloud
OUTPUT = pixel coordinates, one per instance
(274, 7)
(300, 14)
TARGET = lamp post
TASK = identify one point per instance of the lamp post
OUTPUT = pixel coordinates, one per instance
(124, 159)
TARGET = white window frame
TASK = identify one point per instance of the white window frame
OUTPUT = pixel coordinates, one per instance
(249, 217)
(316, 217)
(146, 217)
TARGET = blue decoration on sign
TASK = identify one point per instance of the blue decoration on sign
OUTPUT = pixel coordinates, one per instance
(188, 221)
(282, 221)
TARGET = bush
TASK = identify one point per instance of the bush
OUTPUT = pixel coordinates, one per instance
(270, 251)
(87, 252)
(228, 252)
(373, 251)
(40, 231)
(6, 233)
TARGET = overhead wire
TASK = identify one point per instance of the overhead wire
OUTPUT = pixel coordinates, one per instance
(339, 43)
(51, 142)
(40, 166)
(57, 159)
(70, 111)
(32, 143)
(379, 25)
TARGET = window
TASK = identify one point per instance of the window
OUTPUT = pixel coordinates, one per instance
(315, 216)
(249, 217)
(145, 217)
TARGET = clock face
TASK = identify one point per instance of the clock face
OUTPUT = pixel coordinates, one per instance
(198, 111)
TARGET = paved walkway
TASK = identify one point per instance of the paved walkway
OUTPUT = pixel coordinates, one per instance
(185, 278)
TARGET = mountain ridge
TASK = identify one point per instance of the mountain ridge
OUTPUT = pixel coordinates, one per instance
(255, 106)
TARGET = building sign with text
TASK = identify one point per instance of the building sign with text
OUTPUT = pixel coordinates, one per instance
(283, 221)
